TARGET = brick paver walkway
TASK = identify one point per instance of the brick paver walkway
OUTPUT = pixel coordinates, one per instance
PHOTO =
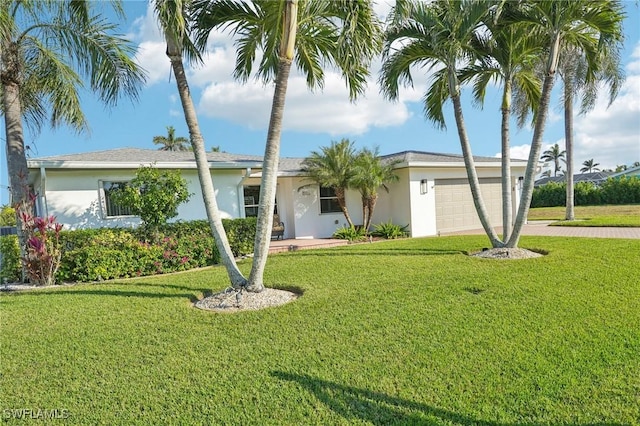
(542, 228)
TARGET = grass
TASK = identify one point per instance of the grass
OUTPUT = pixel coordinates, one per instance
(401, 332)
(611, 216)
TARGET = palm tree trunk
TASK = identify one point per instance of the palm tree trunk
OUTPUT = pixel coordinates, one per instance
(534, 153)
(208, 192)
(269, 181)
(469, 163)
(568, 137)
(371, 205)
(14, 137)
(342, 202)
(507, 204)
(365, 212)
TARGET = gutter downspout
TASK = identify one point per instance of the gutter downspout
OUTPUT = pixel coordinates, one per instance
(43, 192)
(240, 192)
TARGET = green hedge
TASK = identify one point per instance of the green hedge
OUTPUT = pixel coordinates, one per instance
(623, 190)
(107, 253)
(10, 255)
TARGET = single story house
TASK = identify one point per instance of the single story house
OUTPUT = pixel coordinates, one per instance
(431, 196)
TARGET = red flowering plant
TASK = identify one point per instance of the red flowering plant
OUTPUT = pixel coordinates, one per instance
(42, 252)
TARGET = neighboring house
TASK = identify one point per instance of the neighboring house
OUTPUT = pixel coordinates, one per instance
(596, 178)
(631, 171)
(431, 196)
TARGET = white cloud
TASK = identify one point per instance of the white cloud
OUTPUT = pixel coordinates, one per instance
(611, 136)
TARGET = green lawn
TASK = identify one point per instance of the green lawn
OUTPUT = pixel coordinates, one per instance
(611, 216)
(401, 332)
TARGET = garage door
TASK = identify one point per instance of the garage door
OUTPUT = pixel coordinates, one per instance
(455, 210)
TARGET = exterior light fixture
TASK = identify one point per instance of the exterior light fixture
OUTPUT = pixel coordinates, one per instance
(424, 188)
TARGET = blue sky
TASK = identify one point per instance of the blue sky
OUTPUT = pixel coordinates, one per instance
(235, 116)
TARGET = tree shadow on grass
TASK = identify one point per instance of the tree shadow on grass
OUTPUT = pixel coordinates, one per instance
(379, 252)
(84, 289)
(355, 404)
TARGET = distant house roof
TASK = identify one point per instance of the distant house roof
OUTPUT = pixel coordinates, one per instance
(631, 171)
(596, 177)
(417, 158)
(132, 158)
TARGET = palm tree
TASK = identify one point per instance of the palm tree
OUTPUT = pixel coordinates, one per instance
(333, 167)
(371, 173)
(173, 18)
(47, 48)
(573, 72)
(554, 154)
(344, 34)
(584, 26)
(508, 56)
(589, 166)
(171, 142)
(437, 37)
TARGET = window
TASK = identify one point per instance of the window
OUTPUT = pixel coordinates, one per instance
(252, 200)
(111, 208)
(329, 201)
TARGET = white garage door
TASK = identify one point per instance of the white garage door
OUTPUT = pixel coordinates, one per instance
(455, 210)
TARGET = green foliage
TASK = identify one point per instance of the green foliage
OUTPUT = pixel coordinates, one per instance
(549, 195)
(623, 190)
(154, 195)
(107, 253)
(7, 215)
(241, 234)
(10, 268)
(390, 231)
(585, 194)
(421, 335)
(350, 233)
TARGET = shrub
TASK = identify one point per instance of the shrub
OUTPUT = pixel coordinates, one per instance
(586, 194)
(10, 266)
(95, 254)
(351, 234)
(241, 234)
(549, 195)
(623, 190)
(42, 251)
(390, 231)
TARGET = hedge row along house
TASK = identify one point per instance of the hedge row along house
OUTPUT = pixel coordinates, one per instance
(432, 195)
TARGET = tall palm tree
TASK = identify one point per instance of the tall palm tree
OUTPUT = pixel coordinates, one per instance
(589, 166)
(572, 70)
(437, 37)
(506, 55)
(333, 167)
(555, 155)
(370, 174)
(175, 23)
(47, 49)
(344, 34)
(171, 142)
(585, 26)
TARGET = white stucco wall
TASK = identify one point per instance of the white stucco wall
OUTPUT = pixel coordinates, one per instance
(308, 221)
(74, 197)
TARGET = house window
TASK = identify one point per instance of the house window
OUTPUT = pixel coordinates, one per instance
(111, 208)
(252, 201)
(329, 201)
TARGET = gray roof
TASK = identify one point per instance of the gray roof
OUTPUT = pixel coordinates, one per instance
(434, 157)
(133, 157)
(128, 155)
(595, 177)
